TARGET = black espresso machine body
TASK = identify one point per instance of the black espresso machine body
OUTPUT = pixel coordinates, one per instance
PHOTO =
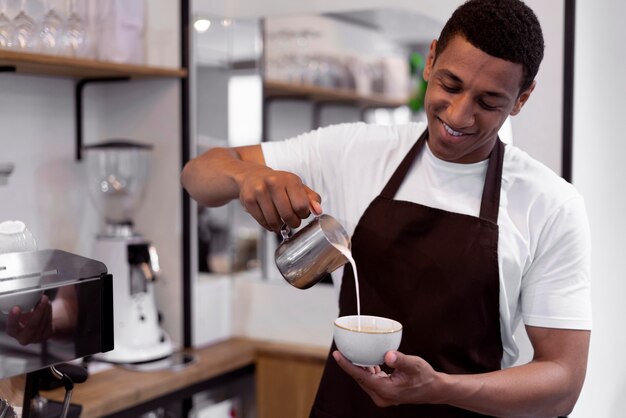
(73, 320)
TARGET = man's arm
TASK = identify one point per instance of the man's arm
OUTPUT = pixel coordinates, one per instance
(548, 386)
(270, 196)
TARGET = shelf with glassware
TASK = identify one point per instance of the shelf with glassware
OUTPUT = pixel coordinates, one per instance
(64, 66)
(275, 89)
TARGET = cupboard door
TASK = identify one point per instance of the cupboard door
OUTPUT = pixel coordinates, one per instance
(286, 386)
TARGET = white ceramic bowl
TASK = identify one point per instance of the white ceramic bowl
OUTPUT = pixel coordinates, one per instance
(23, 292)
(15, 237)
(364, 339)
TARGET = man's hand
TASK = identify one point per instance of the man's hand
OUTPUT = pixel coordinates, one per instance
(31, 327)
(272, 197)
(276, 197)
(548, 386)
(413, 380)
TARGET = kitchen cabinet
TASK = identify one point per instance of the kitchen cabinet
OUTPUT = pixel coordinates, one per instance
(286, 383)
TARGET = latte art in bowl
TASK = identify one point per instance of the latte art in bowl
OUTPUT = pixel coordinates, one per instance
(365, 339)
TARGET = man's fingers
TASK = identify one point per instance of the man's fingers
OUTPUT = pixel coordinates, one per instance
(13, 321)
(369, 382)
(256, 212)
(360, 374)
(315, 201)
(279, 198)
(290, 206)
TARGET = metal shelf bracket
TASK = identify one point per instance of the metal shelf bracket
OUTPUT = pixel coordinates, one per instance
(78, 103)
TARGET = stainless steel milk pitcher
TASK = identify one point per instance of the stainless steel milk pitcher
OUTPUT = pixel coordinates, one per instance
(306, 257)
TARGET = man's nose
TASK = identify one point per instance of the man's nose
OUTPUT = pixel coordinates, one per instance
(461, 112)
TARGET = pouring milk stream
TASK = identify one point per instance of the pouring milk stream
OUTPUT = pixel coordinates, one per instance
(306, 257)
(319, 248)
(348, 254)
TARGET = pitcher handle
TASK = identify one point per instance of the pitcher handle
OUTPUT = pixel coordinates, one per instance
(285, 231)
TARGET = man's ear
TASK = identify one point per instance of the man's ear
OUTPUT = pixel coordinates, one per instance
(430, 60)
(523, 97)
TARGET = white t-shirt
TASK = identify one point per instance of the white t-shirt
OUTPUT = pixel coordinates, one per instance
(544, 242)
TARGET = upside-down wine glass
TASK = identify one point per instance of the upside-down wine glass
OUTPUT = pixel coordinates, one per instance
(7, 32)
(25, 28)
(52, 31)
(76, 36)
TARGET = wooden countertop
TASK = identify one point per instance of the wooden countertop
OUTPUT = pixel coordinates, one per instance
(118, 389)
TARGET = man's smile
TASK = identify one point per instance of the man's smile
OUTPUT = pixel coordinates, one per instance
(451, 131)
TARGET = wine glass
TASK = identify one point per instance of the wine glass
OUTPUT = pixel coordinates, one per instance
(25, 28)
(76, 37)
(7, 32)
(52, 32)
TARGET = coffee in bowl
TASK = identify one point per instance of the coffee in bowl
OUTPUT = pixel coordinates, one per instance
(365, 339)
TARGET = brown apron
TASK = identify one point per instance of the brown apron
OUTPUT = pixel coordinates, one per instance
(434, 271)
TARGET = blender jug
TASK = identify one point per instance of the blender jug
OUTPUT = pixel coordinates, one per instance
(117, 172)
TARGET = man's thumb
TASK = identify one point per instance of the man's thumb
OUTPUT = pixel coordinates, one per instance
(394, 359)
(315, 201)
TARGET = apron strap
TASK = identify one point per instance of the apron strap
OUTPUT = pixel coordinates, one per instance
(490, 202)
(394, 183)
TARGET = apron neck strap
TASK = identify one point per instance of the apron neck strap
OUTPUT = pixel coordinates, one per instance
(392, 186)
(493, 180)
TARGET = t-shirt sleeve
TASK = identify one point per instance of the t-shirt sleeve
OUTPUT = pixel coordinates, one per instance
(318, 157)
(295, 155)
(556, 288)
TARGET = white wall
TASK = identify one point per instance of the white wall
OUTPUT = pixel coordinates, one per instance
(599, 174)
(537, 129)
(162, 34)
(37, 136)
(149, 111)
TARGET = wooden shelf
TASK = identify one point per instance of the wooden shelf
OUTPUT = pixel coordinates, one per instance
(275, 88)
(52, 65)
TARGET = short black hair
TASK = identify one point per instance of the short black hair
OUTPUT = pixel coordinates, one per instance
(506, 29)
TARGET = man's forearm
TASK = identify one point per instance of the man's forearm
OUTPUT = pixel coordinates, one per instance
(210, 178)
(546, 387)
(537, 389)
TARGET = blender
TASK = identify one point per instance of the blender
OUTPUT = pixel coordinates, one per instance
(117, 173)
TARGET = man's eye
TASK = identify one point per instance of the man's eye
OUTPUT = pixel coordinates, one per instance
(487, 106)
(450, 89)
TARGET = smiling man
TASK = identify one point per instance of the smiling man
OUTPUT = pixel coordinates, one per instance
(469, 96)
(455, 235)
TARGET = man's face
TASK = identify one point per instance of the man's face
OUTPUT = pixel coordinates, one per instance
(470, 94)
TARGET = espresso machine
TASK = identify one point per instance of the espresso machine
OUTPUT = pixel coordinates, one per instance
(117, 173)
(39, 345)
